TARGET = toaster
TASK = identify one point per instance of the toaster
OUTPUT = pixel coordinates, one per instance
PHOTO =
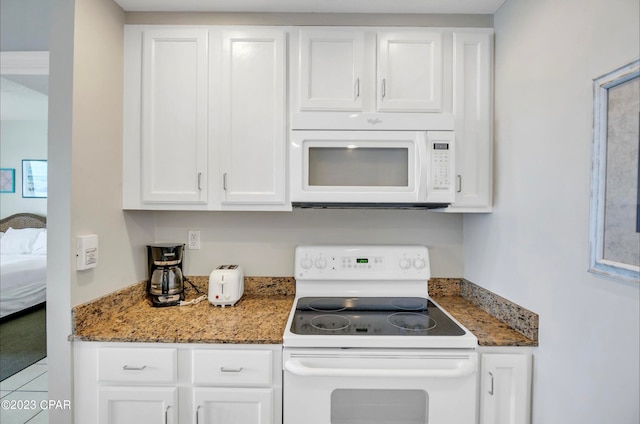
(226, 285)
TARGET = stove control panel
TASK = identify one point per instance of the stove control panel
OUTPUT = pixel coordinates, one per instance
(362, 262)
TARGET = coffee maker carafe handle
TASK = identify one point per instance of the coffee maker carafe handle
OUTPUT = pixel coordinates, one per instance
(165, 281)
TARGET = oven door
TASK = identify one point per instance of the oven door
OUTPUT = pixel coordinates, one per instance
(357, 386)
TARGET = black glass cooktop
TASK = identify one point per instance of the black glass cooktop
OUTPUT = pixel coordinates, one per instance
(369, 316)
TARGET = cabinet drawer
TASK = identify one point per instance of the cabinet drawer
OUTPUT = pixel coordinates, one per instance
(139, 365)
(232, 367)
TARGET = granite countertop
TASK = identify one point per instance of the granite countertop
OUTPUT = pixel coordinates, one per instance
(261, 315)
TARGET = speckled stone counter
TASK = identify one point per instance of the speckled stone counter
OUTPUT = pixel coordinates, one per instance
(127, 316)
(494, 320)
(261, 315)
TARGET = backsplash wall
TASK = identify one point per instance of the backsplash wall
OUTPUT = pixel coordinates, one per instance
(263, 243)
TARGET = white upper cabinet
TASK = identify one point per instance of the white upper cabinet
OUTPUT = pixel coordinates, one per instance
(358, 70)
(208, 109)
(251, 109)
(473, 112)
(332, 70)
(409, 71)
(205, 118)
(169, 120)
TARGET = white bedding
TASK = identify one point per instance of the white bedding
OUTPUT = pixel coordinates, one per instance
(23, 282)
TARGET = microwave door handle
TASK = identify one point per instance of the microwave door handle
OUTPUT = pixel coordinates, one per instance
(464, 368)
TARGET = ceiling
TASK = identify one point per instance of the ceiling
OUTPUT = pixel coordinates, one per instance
(24, 27)
(18, 102)
(315, 6)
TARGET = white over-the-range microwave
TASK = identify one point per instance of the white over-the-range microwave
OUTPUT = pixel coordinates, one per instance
(394, 169)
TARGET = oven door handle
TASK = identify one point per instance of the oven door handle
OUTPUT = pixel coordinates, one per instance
(464, 368)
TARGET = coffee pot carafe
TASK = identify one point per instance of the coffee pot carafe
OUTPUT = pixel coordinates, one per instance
(165, 285)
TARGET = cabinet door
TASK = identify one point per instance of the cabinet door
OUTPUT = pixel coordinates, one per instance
(237, 406)
(252, 125)
(505, 389)
(472, 108)
(409, 71)
(135, 405)
(331, 70)
(174, 116)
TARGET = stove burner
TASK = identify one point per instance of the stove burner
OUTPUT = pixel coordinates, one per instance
(411, 321)
(330, 322)
(326, 305)
(409, 304)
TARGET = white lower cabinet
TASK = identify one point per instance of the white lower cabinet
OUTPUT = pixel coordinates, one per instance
(244, 380)
(177, 383)
(135, 405)
(237, 406)
(505, 386)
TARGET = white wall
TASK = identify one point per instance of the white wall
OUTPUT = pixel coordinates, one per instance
(97, 154)
(59, 253)
(263, 243)
(533, 249)
(20, 140)
(85, 157)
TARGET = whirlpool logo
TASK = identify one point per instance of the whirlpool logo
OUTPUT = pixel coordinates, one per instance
(374, 121)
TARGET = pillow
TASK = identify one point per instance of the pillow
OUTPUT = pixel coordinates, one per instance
(40, 245)
(19, 242)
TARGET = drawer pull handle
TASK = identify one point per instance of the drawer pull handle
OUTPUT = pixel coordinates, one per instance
(128, 368)
(225, 369)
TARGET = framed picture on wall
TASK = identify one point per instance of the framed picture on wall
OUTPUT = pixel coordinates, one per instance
(614, 235)
(7, 180)
(34, 178)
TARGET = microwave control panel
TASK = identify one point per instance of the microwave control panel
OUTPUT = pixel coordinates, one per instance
(440, 165)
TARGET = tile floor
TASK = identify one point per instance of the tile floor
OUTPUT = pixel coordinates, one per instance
(28, 387)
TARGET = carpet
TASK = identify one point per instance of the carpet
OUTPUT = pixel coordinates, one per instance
(23, 341)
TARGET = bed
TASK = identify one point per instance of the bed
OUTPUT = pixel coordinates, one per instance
(23, 263)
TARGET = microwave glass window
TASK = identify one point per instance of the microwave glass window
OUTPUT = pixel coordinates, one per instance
(375, 406)
(358, 167)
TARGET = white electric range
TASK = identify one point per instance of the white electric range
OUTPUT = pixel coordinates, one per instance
(365, 344)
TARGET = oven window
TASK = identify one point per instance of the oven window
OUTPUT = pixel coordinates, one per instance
(359, 167)
(371, 406)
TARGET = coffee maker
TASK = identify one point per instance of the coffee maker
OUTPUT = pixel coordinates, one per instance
(166, 283)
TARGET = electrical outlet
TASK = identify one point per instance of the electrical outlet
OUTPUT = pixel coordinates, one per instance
(194, 239)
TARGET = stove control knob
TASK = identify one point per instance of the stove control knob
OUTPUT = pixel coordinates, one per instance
(306, 263)
(321, 263)
(419, 263)
(405, 263)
